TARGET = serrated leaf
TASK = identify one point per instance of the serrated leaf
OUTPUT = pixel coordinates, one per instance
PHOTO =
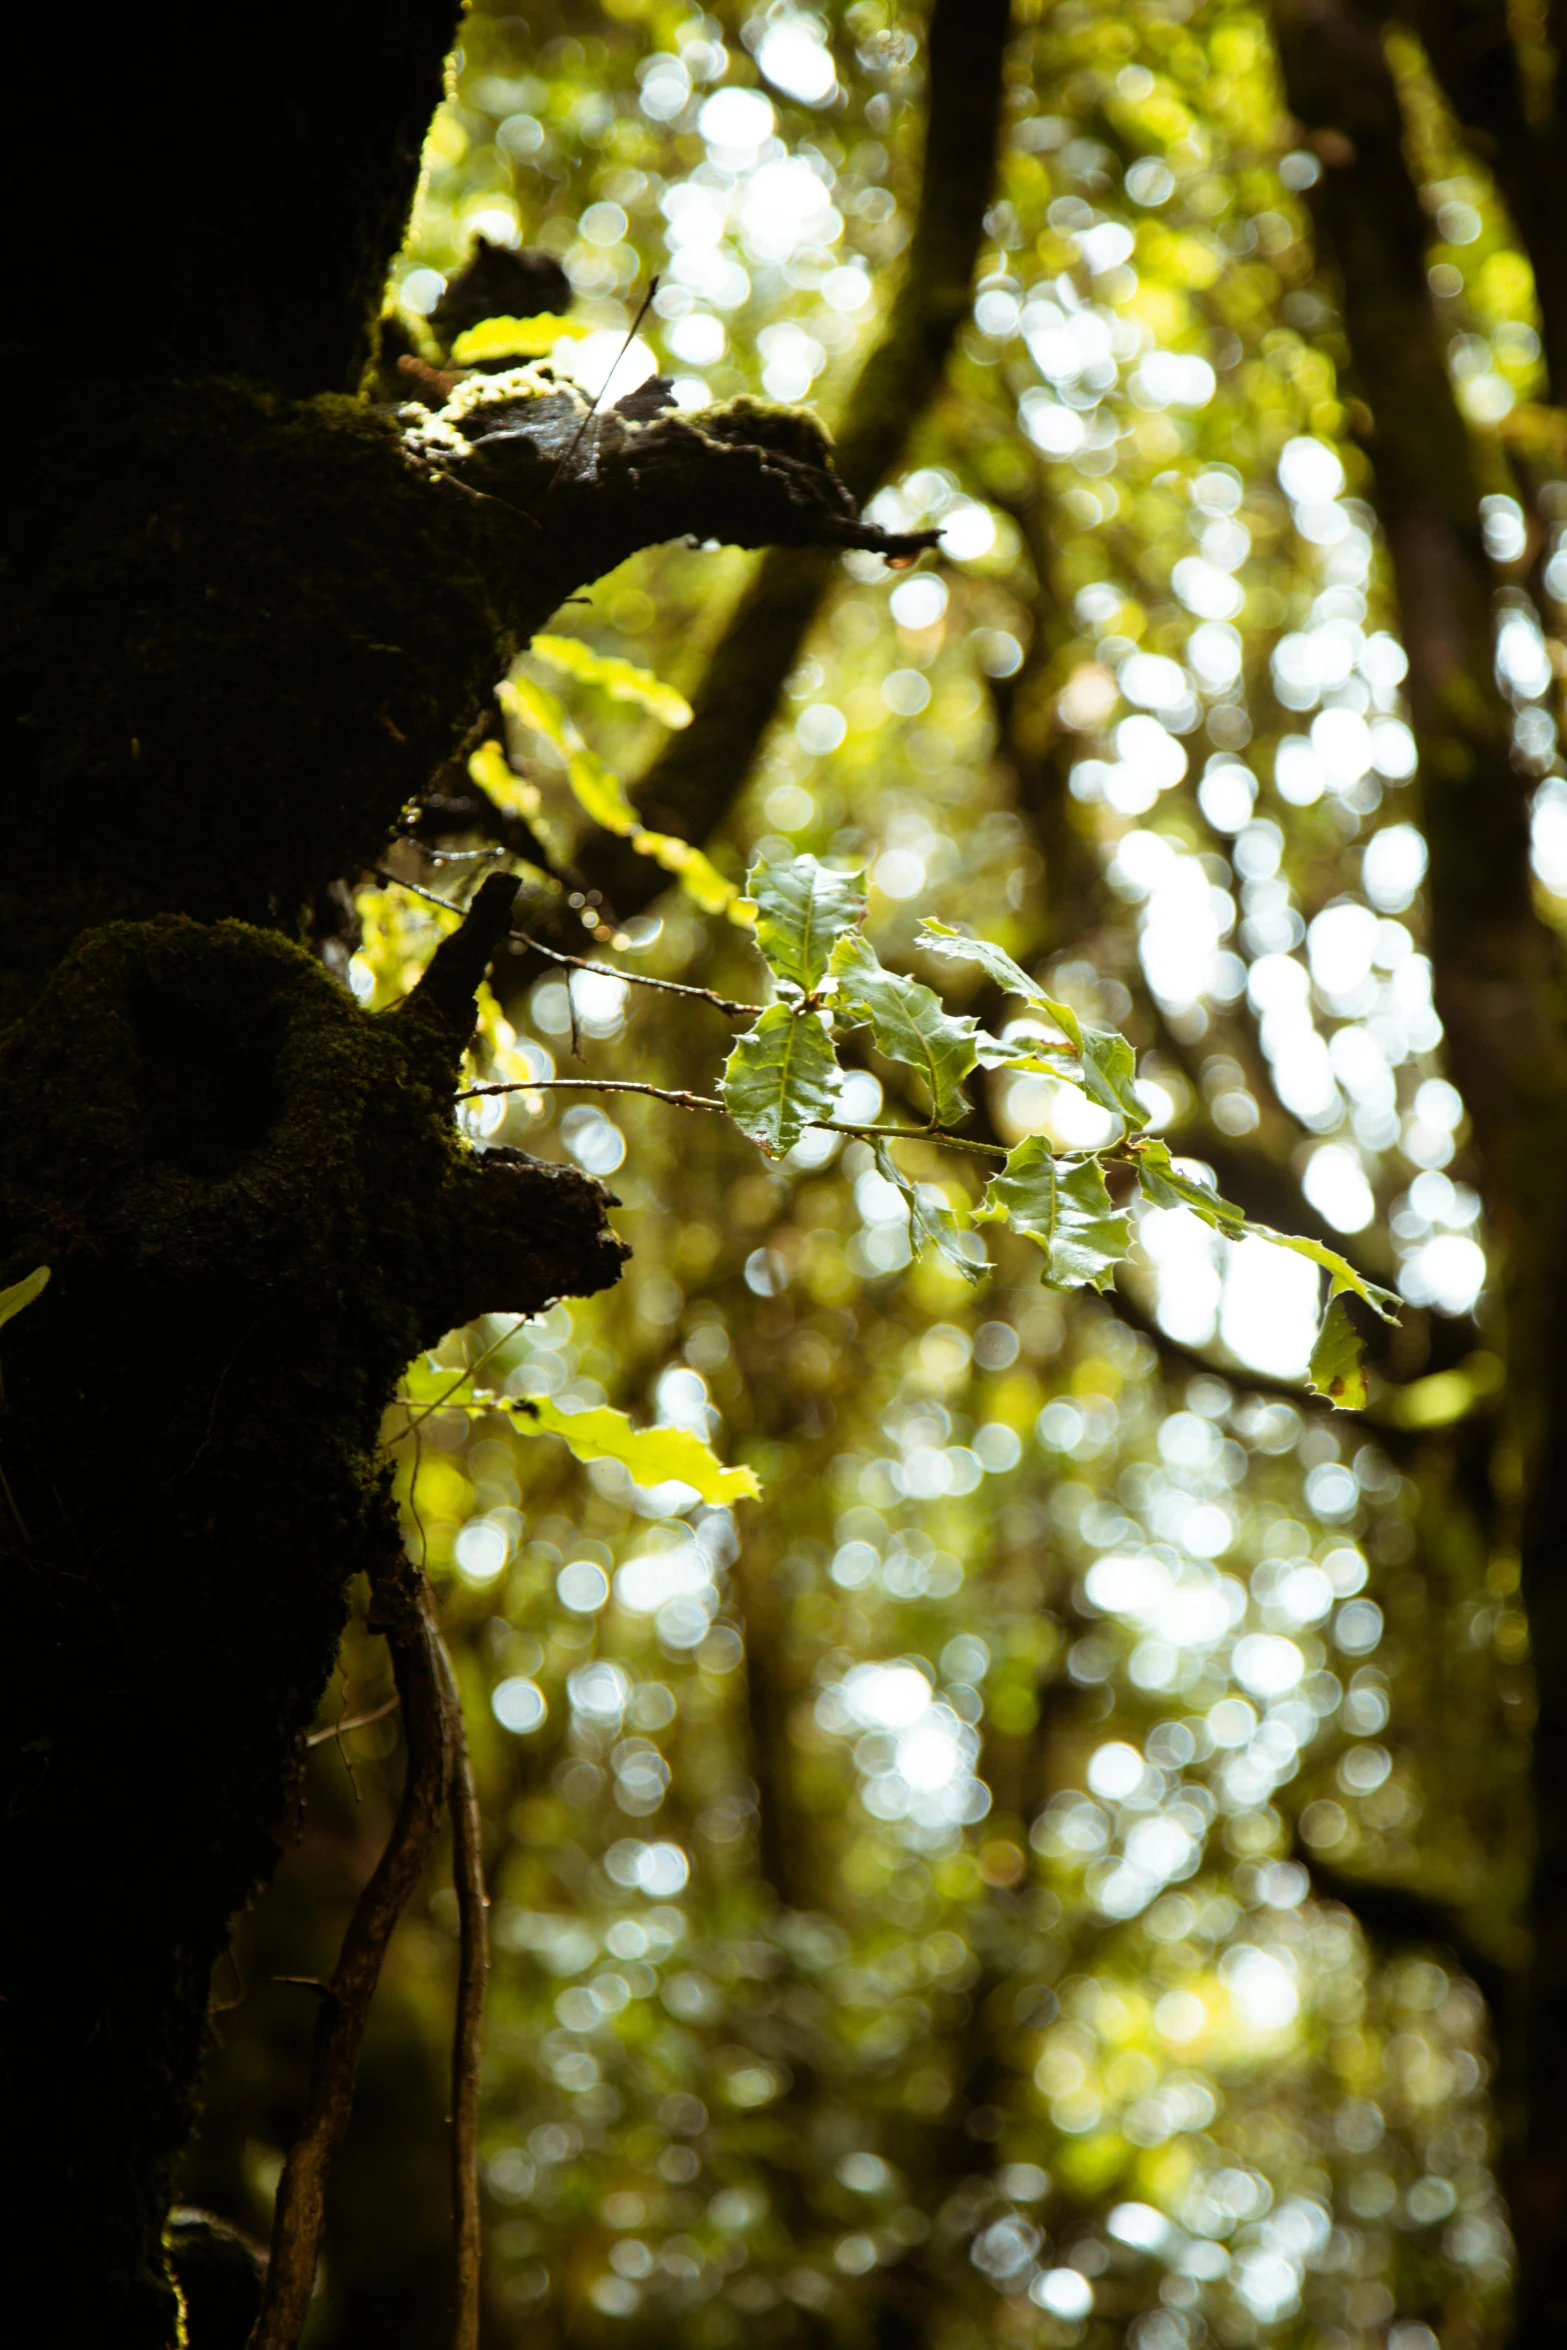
(1109, 1074)
(909, 1022)
(1341, 1272)
(515, 338)
(1164, 1186)
(22, 1293)
(1109, 1063)
(1063, 1204)
(928, 1220)
(654, 1456)
(1337, 1367)
(491, 771)
(802, 910)
(622, 680)
(782, 1076)
(939, 938)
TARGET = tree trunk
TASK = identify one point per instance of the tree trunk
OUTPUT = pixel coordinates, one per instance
(1498, 988)
(254, 618)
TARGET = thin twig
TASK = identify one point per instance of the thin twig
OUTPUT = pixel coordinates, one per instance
(657, 1093)
(431, 897)
(702, 995)
(402, 1614)
(631, 336)
(357, 1722)
(472, 1967)
(936, 1134)
(494, 1347)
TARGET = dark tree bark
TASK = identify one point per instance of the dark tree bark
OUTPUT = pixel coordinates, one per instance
(253, 616)
(1498, 988)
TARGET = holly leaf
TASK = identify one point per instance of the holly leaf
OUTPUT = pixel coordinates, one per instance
(909, 1022)
(939, 938)
(1064, 1205)
(1164, 1186)
(621, 680)
(22, 1293)
(1109, 1063)
(1337, 1367)
(782, 1076)
(1342, 1274)
(802, 909)
(930, 1219)
(653, 1456)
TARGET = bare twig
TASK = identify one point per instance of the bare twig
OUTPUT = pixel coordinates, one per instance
(355, 1722)
(657, 1093)
(473, 1965)
(703, 995)
(401, 1613)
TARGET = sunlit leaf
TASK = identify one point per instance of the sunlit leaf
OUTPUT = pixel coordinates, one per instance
(515, 338)
(939, 938)
(22, 1293)
(1164, 1186)
(803, 909)
(653, 1456)
(697, 875)
(930, 1218)
(909, 1022)
(600, 793)
(1337, 1367)
(782, 1076)
(492, 772)
(1109, 1063)
(1342, 1273)
(622, 680)
(525, 699)
(1065, 1206)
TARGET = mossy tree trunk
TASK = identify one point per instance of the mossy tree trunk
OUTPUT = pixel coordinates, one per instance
(254, 618)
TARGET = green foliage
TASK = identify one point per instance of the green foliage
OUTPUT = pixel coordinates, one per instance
(931, 1218)
(621, 680)
(781, 1077)
(654, 1456)
(908, 1022)
(1337, 1368)
(515, 338)
(1064, 1206)
(22, 1293)
(803, 908)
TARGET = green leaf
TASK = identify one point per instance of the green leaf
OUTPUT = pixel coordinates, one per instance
(1164, 1186)
(22, 1293)
(697, 875)
(1337, 1367)
(1064, 1205)
(1109, 1073)
(803, 909)
(1109, 1063)
(491, 771)
(515, 338)
(929, 1219)
(782, 1076)
(909, 1022)
(621, 680)
(939, 938)
(1342, 1273)
(653, 1455)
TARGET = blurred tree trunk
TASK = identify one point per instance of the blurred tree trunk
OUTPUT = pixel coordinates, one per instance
(1497, 968)
(252, 622)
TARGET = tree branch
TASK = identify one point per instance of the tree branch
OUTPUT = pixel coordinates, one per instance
(468, 2024)
(1399, 1917)
(401, 1612)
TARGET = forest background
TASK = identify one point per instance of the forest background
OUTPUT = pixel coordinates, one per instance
(1061, 1866)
